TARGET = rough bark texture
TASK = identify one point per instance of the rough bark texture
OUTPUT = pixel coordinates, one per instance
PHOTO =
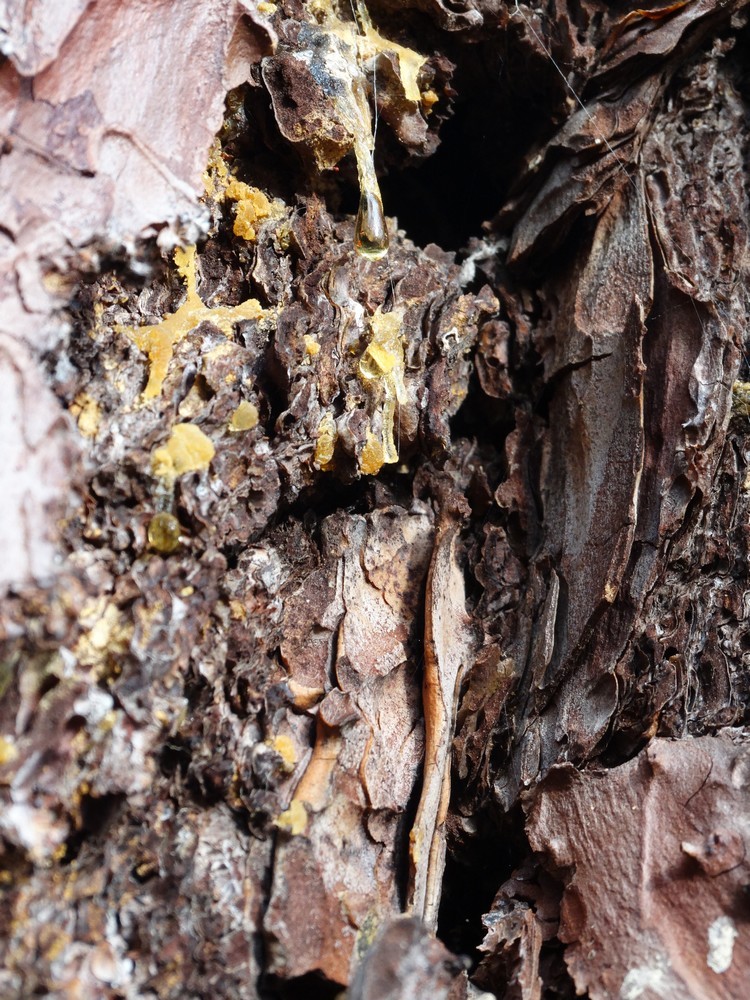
(352, 599)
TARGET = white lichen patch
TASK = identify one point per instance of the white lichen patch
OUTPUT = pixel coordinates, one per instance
(652, 980)
(721, 937)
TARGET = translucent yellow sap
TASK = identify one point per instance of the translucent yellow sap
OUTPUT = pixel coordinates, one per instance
(382, 367)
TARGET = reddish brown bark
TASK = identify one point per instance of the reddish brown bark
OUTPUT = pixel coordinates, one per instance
(349, 599)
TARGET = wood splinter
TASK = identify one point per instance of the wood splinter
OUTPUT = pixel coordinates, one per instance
(449, 647)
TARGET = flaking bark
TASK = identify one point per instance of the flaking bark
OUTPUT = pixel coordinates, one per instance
(445, 625)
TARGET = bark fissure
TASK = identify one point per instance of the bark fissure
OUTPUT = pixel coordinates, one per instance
(351, 595)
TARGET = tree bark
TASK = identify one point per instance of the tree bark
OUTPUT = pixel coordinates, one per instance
(376, 506)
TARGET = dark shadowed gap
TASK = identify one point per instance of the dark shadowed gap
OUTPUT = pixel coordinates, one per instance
(309, 987)
(474, 871)
(444, 198)
(97, 813)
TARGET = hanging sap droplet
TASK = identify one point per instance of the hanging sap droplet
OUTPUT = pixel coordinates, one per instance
(370, 233)
(164, 532)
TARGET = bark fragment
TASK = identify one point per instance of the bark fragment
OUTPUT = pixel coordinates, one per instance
(405, 962)
(449, 648)
(670, 830)
(411, 495)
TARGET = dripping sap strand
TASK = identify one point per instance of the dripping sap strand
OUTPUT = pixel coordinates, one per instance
(370, 232)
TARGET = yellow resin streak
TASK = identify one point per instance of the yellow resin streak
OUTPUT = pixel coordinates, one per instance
(158, 341)
(326, 442)
(381, 367)
(187, 450)
(245, 417)
(251, 207)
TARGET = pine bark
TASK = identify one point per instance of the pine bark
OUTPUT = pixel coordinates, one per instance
(374, 622)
